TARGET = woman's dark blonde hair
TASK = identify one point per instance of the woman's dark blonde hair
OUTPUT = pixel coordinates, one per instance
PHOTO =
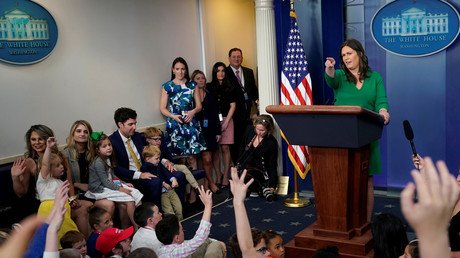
(71, 141)
(195, 73)
(266, 121)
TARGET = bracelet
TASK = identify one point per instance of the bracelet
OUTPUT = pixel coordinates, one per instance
(72, 198)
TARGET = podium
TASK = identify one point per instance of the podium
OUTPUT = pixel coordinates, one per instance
(338, 138)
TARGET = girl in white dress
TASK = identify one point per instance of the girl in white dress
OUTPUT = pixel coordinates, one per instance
(51, 169)
(103, 184)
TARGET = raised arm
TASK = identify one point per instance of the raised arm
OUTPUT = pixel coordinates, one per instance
(20, 177)
(206, 198)
(329, 65)
(45, 166)
(243, 228)
(16, 245)
(55, 219)
(429, 217)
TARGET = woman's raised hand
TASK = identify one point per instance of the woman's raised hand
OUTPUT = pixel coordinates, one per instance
(330, 62)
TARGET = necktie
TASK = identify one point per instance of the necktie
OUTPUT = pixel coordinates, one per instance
(237, 73)
(133, 155)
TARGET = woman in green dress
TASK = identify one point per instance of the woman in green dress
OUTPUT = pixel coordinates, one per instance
(355, 84)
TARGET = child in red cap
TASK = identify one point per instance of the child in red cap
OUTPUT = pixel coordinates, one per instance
(114, 242)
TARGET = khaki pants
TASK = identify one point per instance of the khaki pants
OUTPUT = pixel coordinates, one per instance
(170, 203)
(211, 248)
(188, 174)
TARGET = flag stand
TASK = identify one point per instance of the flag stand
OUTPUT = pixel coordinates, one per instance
(295, 83)
(296, 201)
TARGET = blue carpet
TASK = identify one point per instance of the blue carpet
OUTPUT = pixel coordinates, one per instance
(264, 215)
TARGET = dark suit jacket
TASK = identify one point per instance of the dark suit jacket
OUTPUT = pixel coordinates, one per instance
(243, 108)
(122, 168)
(159, 170)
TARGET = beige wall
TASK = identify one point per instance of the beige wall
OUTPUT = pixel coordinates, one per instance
(110, 53)
(228, 24)
(113, 53)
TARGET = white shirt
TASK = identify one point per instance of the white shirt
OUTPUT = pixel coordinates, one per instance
(46, 188)
(241, 74)
(132, 166)
(146, 237)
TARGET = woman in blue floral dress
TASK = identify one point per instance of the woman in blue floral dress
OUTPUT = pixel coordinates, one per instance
(179, 103)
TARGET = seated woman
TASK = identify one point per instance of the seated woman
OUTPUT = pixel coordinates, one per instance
(24, 172)
(260, 157)
(78, 155)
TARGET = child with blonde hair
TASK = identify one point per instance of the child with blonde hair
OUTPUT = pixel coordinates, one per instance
(154, 137)
(51, 167)
(170, 202)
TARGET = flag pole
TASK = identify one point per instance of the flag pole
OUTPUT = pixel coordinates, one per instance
(296, 201)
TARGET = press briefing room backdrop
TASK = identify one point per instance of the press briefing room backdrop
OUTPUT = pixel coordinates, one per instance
(423, 89)
(113, 53)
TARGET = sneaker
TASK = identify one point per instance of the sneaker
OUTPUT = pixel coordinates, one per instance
(254, 194)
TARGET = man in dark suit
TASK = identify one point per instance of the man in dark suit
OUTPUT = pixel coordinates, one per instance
(247, 95)
(128, 145)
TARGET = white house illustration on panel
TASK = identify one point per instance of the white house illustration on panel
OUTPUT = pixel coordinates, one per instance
(18, 25)
(413, 22)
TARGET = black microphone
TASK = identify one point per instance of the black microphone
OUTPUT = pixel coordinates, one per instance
(409, 135)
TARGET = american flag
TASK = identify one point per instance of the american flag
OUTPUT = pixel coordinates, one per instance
(296, 90)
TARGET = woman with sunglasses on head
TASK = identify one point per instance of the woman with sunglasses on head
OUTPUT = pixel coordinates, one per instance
(259, 156)
(210, 125)
(24, 172)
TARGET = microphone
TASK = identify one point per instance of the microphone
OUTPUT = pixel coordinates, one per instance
(409, 136)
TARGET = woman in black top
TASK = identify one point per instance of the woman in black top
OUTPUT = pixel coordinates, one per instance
(210, 126)
(259, 156)
(226, 97)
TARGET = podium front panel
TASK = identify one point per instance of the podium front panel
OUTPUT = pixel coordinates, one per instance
(344, 131)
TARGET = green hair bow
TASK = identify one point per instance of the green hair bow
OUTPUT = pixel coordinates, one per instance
(96, 136)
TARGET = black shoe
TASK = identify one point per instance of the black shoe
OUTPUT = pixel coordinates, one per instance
(218, 191)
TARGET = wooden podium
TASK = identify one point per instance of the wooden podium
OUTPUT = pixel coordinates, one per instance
(338, 138)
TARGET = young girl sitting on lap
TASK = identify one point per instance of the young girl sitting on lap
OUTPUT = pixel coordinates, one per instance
(103, 184)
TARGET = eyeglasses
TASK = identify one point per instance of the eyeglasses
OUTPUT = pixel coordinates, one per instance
(262, 250)
(155, 138)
